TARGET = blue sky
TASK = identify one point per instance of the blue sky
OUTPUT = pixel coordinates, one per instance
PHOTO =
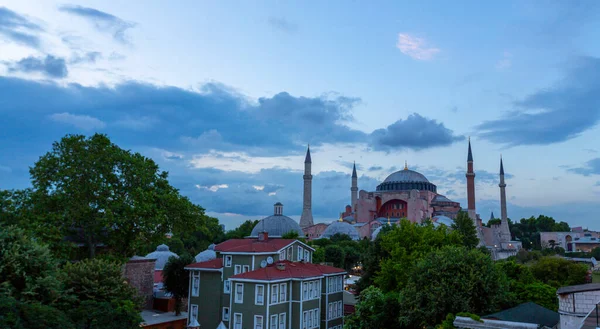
(226, 96)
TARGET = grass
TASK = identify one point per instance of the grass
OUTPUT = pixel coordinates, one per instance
(596, 277)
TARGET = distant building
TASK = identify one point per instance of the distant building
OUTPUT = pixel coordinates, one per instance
(265, 283)
(576, 240)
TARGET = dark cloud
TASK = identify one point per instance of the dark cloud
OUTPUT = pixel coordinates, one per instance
(416, 132)
(89, 57)
(282, 24)
(18, 29)
(375, 168)
(349, 165)
(49, 66)
(591, 167)
(552, 115)
(102, 21)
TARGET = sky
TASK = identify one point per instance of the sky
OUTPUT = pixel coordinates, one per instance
(226, 96)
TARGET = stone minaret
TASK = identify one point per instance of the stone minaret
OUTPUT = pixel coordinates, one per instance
(354, 188)
(471, 186)
(504, 228)
(307, 219)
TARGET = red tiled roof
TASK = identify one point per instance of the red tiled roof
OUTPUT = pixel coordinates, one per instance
(253, 245)
(296, 270)
(209, 264)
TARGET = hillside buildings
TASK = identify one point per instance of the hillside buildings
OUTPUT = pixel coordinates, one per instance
(265, 283)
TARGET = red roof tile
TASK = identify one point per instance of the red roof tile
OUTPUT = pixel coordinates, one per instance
(209, 264)
(296, 270)
(253, 245)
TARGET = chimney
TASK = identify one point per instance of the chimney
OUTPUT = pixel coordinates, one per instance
(263, 236)
(281, 266)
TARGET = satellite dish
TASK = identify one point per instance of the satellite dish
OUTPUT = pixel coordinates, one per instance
(263, 263)
(269, 260)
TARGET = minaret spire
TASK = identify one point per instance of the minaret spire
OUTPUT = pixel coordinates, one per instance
(307, 219)
(354, 188)
(504, 228)
(471, 185)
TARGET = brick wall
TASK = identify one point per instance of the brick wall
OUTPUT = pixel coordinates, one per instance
(139, 272)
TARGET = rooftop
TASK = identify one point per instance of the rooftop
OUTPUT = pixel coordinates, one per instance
(212, 264)
(151, 317)
(254, 245)
(527, 313)
(291, 270)
(578, 288)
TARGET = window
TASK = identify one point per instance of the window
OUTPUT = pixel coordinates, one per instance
(317, 316)
(246, 268)
(317, 288)
(274, 293)
(304, 290)
(334, 305)
(330, 284)
(282, 292)
(289, 253)
(330, 314)
(340, 306)
(196, 284)
(225, 313)
(258, 322)
(340, 283)
(282, 321)
(282, 255)
(304, 320)
(226, 287)
(239, 293)
(310, 289)
(259, 294)
(228, 261)
(310, 323)
(273, 323)
(237, 321)
(238, 269)
(194, 312)
(300, 253)
(306, 253)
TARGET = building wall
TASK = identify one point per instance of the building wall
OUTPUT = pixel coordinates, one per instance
(314, 231)
(585, 247)
(574, 307)
(209, 300)
(140, 275)
(248, 308)
(417, 204)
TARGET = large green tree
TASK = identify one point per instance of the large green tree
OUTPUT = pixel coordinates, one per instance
(94, 190)
(451, 280)
(465, 227)
(176, 279)
(242, 231)
(559, 272)
(375, 310)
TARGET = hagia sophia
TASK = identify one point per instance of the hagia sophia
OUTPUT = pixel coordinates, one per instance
(403, 194)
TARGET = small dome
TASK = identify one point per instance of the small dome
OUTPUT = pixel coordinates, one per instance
(342, 228)
(277, 224)
(442, 220)
(162, 255)
(208, 254)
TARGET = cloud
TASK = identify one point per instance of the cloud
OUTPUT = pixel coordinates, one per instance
(416, 132)
(415, 47)
(505, 62)
(89, 57)
(282, 24)
(591, 167)
(349, 164)
(19, 29)
(554, 114)
(49, 66)
(102, 21)
(83, 122)
(375, 168)
(213, 188)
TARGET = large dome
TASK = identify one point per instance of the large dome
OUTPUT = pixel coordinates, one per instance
(276, 225)
(342, 228)
(406, 179)
(162, 255)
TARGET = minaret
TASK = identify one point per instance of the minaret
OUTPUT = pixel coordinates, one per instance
(354, 188)
(307, 219)
(504, 228)
(471, 186)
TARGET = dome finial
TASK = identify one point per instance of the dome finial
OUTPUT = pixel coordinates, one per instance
(405, 165)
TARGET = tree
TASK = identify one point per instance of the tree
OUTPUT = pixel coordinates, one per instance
(451, 280)
(351, 257)
(16, 314)
(466, 229)
(176, 279)
(339, 237)
(241, 231)
(335, 255)
(552, 243)
(374, 310)
(559, 272)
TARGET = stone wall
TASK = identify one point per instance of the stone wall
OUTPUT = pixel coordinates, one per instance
(575, 303)
(139, 272)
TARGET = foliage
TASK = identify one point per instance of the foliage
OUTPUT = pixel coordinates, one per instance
(527, 230)
(96, 192)
(596, 253)
(319, 256)
(524, 256)
(448, 323)
(27, 270)
(465, 227)
(371, 260)
(293, 235)
(117, 314)
(558, 272)
(320, 242)
(339, 237)
(16, 314)
(335, 255)
(351, 257)
(176, 279)
(449, 280)
(406, 244)
(374, 310)
(524, 287)
(470, 315)
(242, 231)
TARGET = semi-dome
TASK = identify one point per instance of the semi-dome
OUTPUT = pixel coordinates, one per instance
(406, 179)
(342, 228)
(375, 233)
(162, 255)
(276, 225)
(438, 220)
(206, 255)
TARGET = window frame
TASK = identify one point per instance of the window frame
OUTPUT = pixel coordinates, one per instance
(282, 252)
(226, 284)
(283, 292)
(223, 317)
(228, 260)
(304, 290)
(237, 269)
(241, 300)
(195, 281)
(245, 268)
(306, 255)
(192, 312)
(300, 253)
(235, 315)
(340, 309)
(330, 309)
(273, 324)
(256, 302)
(274, 292)
(282, 324)
(262, 322)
